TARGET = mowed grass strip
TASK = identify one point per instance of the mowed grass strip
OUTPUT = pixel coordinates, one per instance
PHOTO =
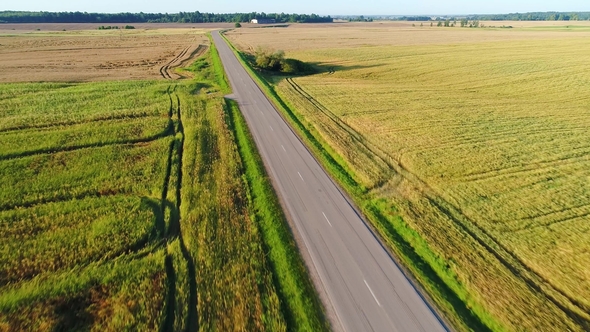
(79, 136)
(302, 308)
(487, 150)
(26, 105)
(87, 172)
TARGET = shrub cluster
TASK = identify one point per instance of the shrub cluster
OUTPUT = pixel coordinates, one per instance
(275, 61)
(114, 27)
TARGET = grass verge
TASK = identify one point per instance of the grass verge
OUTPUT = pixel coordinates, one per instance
(301, 305)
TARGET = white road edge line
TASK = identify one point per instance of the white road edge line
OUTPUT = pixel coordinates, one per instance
(283, 148)
(271, 128)
(370, 290)
(301, 176)
(327, 219)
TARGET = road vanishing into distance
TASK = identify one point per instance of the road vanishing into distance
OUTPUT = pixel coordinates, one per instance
(364, 288)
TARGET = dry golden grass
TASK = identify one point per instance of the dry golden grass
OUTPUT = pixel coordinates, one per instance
(479, 136)
(327, 37)
(536, 24)
(93, 55)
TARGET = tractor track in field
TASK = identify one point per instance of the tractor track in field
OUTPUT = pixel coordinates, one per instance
(165, 69)
(63, 198)
(174, 230)
(573, 308)
(179, 61)
(369, 149)
(84, 146)
(71, 123)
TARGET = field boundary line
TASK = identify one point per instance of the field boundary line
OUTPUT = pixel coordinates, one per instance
(85, 146)
(83, 195)
(70, 123)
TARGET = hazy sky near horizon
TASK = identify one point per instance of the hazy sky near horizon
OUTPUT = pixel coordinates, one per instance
(326, 7)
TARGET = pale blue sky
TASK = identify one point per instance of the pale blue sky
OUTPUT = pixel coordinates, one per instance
(325, 7)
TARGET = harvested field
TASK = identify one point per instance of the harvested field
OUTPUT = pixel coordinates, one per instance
(479, 139)
(11, 28)
(98, 55)
(300, 37)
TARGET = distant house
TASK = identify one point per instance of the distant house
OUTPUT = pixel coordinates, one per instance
(263, 21)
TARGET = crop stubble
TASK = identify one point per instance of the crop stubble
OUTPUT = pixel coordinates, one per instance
(480, 139)
(100, 55)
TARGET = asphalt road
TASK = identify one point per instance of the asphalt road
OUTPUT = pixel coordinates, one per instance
(364, 288)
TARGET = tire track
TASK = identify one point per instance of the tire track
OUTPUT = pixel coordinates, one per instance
(149, 139)
(181, 60)
(174, 229)
(165, 70)
(382, 159)
(197, 52)
(83, 121)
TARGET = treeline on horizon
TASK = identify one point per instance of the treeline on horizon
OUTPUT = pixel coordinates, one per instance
(539, 16)
(533, 16)
(182, 17)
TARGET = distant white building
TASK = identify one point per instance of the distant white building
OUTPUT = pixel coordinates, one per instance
(263, 21)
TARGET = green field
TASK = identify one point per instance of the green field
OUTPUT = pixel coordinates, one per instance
(82, 167)
(468, 150)
(141, 205)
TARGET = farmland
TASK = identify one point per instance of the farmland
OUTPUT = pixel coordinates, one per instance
(71, 222)
(94, 55)
(468, 146)
(139, 204)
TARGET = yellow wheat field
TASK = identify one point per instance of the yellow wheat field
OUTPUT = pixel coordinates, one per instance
(481, 137)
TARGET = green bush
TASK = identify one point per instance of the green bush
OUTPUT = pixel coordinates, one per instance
(276, 61)
(269, 60)
(294, 66)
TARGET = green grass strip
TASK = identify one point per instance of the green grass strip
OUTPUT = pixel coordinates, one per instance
(429, 269)
(304, 311)
(220, 77)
